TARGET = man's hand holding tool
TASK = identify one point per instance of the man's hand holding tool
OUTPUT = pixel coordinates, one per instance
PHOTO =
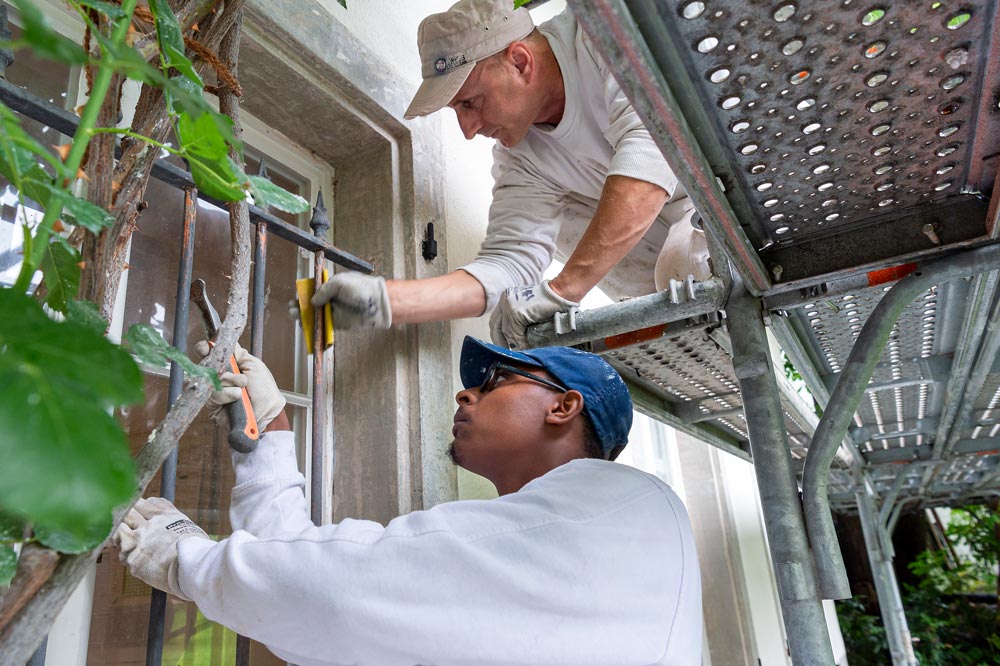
(359, 300)
(244, 430)
(253, 380)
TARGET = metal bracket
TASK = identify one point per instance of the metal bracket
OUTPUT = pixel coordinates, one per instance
(565, 322)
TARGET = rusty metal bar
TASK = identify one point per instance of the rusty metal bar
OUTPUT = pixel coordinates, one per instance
(168, 473)
(64, 121)
(319, 224)
(259, 289)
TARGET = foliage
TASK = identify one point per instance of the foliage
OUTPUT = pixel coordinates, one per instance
(949, 627)
(947, 630)
(143, 341)
(863, 634)
(976, 527)
(795, 378)
(971, 529)
(951, 630)
(938, 574)
(66, 459)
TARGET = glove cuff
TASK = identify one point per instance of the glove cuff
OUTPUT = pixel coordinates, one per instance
(551, 294)
(384, 320)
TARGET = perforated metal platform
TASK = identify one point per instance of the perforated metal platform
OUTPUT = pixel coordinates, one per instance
(834, 112)
(690, 369)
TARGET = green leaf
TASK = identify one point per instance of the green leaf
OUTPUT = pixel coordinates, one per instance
(207, 153)
(171, 40)
(144, 341)
(92, 217)
(18, 150)
(131, 63)
(44, 41)
(87, 315)
(37, 185)
(180, 62)
(111, 11)
(343, 3)
(185, 96)
(86, 214)
(66, 460)
(11, 528)
(61, 275)
(266, 193)
(87, 538)
(520, 3)
(8, 565)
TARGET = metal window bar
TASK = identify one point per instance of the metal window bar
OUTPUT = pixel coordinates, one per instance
(37, 109)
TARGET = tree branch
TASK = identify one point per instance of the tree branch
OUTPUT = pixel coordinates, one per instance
(21, 637)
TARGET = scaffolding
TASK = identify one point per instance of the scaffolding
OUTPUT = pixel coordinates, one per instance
(841, 156)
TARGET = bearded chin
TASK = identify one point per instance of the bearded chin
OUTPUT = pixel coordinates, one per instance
(453, 454)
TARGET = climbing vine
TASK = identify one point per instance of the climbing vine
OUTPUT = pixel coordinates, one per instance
(66, 462)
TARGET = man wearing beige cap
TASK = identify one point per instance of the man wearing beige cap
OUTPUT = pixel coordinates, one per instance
(576, 173)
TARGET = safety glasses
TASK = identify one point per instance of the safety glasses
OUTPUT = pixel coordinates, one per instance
(498, 370)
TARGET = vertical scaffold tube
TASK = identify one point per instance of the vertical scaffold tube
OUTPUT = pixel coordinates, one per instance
(801, 606)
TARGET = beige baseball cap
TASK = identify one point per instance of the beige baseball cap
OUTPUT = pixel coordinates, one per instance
(452, 42)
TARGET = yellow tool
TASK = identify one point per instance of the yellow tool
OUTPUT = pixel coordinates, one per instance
(304, 289)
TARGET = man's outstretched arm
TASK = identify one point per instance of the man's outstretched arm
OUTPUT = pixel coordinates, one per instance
(371, 301)
(452, 296)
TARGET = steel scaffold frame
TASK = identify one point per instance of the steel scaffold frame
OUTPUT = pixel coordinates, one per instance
(900, 397)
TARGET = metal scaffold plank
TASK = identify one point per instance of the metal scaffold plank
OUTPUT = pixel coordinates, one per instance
(833, 151)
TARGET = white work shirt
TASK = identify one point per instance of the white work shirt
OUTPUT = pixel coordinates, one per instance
(592, 564)
(546, 188)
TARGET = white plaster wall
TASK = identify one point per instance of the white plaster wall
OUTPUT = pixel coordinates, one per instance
(762, 593)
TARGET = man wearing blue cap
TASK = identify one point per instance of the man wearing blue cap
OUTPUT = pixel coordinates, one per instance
(579, 562)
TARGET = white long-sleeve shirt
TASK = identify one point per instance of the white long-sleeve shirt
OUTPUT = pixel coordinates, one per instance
(592, 564)
(546, 188)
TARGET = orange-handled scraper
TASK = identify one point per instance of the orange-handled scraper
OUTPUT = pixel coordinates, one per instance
(243, 431)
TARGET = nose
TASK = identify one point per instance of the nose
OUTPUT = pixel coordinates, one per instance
(467, 396)
(469, 122)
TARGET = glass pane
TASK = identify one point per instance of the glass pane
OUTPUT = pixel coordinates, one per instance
(152, 276)
(47, 80)
(121, 603)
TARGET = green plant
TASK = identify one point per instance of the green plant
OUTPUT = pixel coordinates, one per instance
(951, 630)
(66, 460)
(948, 626)
(863, 634)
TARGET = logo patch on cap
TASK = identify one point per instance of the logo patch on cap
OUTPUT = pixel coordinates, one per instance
(442, 65)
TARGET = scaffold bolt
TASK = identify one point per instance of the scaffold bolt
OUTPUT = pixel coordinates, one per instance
(931, 233)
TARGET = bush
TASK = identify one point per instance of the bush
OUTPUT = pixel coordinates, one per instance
(951, 621)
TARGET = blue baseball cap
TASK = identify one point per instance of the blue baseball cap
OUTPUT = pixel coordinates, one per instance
(606, 401)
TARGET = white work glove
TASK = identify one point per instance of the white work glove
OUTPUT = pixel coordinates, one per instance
(265, 397)
(684, 252)
(148, 538)
(519, 307)
(358, 300)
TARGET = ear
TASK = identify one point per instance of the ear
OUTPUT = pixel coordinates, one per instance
(569, 405)
(523, 60)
